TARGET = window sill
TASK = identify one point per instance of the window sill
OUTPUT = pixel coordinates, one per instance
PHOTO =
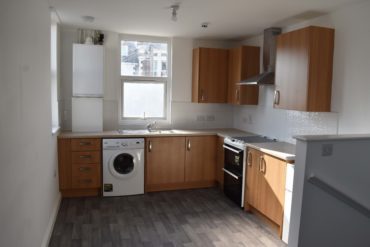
(55, 130)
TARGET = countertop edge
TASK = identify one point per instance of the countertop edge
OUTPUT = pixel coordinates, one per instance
(218, 132)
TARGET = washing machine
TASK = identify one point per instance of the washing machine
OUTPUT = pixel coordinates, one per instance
(123, 166)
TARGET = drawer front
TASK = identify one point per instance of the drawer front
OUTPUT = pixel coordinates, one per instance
(85, 144)
(86, 157)
(86, 176)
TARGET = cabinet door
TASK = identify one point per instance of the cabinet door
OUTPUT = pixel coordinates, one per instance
(251, 186)
(200, 159)
(243, 63)
(88, 64)
(220, 162)
(65, 163)
(165, 158)
(271, 188)
(210, 75)
(304, 63)
(292, 70)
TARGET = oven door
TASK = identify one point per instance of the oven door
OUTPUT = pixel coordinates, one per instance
(233, 173)
(233, 186)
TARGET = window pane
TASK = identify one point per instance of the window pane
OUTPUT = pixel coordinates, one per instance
(143, 59)
(143, 98)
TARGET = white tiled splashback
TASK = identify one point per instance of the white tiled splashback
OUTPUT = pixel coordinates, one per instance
(200, 116)
(185, 115)
(282, 124)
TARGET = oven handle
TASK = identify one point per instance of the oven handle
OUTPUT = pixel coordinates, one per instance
(230, 173)
(232, 149)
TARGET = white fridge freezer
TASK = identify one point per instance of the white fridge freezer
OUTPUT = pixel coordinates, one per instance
(87, 114)
(88, 70)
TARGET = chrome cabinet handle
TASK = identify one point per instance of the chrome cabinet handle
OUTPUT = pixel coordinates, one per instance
(86, 181)
(189, 145)
(85, 169)
(260, 164)
(150, 146)
(249, 159)
(202, 96)
(85, 143)
(277, 97)
(85, 156)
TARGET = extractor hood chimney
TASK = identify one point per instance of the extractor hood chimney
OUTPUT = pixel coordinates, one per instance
(269, 59)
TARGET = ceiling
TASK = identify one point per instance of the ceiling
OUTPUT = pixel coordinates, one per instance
(229, 19)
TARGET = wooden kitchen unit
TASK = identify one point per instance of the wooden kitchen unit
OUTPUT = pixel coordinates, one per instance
(209, 78)
(79, 162)
(304, 66)
(180, 162)
(164, 163)
(220, 160)
(244, 62)
(265, 187)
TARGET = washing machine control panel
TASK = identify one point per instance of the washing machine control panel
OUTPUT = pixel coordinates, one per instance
(129, 143)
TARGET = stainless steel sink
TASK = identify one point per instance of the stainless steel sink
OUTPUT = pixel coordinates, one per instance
(133, 132)
(147, 132)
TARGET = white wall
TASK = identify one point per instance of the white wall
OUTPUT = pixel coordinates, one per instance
(184, 113)
(350, 90)
(28, 188)
(319, 218)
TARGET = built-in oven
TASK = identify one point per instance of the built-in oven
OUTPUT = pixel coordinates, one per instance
(233, 173)
(234, 165)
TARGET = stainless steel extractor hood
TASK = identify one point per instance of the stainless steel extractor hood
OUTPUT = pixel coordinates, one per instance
(269, 59)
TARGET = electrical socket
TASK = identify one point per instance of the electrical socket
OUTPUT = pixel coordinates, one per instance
(211, 117)
(327, 150)
(201, 118)
(250, 119)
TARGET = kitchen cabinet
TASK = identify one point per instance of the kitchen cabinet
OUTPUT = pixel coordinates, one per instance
(200, 159)
(209, 78)
(165, 162)
(304, 63)
(220, 156)
(265, 186)
(79, 164)
(180, 162)
(251, 188)
(244, 62)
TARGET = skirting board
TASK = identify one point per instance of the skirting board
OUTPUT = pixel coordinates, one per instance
(50, 227)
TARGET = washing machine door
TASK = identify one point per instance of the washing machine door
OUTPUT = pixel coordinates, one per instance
(122, 165)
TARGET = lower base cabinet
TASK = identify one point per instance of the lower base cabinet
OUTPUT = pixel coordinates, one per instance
(79, 162)
(180, 162)
(265, 186)
(220, 162)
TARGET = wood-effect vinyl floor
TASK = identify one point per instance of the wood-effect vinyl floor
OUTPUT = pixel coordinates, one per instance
(202, 217)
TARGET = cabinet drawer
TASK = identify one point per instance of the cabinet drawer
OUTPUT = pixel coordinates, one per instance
(86, 157)
(86, 176)
(85, 144)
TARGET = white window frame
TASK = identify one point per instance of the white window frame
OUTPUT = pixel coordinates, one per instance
(167, 81)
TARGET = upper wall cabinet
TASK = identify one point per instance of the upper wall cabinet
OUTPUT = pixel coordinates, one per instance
(304, 64)
(244, 62)
(209, 75)
(88, 65)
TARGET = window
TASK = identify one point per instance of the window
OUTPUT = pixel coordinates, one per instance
(54, 73)
(145, 79)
